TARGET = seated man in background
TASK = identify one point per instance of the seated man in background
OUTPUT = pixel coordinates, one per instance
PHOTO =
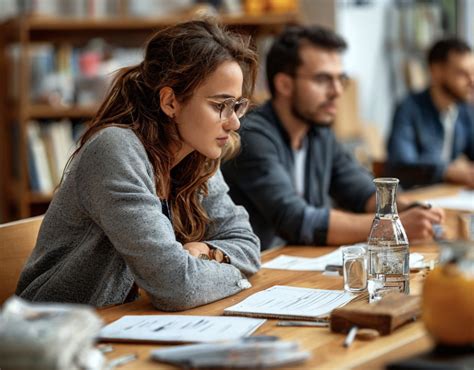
(433, 128)
(291, 165)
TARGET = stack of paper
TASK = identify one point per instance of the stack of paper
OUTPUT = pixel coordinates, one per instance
(237, 354)
(179, 328)
(291, 302)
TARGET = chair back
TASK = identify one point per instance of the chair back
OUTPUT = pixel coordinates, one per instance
(17, 240)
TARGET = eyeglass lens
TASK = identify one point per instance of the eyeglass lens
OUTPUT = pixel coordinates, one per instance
(237, 106)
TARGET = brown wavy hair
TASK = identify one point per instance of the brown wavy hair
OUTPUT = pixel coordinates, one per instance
(180, 57)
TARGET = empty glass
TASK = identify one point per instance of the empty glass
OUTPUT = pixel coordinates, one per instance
(354, 267)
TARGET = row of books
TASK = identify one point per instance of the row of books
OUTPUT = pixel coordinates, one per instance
(50, 144)
(64, 75)
(113, 8)
(80, 75)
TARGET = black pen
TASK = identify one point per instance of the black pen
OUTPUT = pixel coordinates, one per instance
(418, 204)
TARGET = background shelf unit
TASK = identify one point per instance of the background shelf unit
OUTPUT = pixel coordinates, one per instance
(25, 33)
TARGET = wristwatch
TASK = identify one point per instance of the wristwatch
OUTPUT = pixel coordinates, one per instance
(219, 256)
(204, 256)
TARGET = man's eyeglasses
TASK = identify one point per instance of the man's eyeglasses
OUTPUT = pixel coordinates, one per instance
(229, 106)
(326, 80)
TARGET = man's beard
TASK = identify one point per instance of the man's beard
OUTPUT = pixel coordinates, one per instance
(452, 93)
(306, 117)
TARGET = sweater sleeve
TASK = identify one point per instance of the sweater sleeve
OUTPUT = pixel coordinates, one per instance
(230, 229)
(116, 189)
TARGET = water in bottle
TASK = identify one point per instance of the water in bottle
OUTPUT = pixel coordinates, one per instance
(388, 245)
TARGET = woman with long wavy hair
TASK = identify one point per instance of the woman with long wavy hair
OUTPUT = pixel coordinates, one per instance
(142, 202)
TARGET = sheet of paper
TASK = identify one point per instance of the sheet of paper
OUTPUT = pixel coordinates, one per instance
(292, 301)
(180, 328)
(296, 263)
(463, 201)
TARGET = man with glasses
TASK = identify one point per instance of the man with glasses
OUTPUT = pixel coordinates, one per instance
(433, 128)
(291, 166)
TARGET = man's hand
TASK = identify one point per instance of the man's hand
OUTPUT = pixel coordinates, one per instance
(197, 248)
(460, 172)
(418, 222)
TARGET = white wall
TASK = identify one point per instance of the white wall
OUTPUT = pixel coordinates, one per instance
(365, 29)
(466, 23)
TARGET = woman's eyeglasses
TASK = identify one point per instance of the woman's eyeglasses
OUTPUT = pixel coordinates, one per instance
(231, 105)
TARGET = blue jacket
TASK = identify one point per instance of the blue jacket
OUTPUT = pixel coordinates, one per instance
(416, 140)
(261, 179)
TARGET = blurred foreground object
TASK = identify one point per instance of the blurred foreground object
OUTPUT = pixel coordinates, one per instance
(448, 299)
(48, 336)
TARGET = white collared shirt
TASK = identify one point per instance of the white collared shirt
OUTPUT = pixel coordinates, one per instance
(448, 120)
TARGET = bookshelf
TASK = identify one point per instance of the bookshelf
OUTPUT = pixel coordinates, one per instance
(16, 112)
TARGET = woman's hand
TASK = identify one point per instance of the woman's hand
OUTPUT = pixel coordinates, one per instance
(197, 248)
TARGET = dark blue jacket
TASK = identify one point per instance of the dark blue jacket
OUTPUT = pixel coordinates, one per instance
(261, 179)
(416, 140)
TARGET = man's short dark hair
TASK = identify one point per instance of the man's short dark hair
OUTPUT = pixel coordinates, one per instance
(284, 57)
(441, 49)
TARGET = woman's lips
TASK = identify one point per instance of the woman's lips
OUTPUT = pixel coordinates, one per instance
(222, 140)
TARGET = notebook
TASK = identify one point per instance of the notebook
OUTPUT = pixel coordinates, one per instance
(287, 302)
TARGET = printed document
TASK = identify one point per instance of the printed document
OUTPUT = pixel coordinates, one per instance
(287, 301)
(285, 262)
(179, 328)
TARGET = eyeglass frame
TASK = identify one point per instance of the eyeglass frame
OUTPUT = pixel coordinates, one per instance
(326, 80)
(229, 104)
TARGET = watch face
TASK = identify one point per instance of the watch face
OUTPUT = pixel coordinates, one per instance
(204, 256)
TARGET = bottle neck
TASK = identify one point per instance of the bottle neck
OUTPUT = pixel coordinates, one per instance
(386, 200)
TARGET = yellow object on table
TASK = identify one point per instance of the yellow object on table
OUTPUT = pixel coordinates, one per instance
(448, 305)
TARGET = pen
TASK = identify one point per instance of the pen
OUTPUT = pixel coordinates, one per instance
(350, 336)
(337, 268)
(119, 361)
(318, 324)
(418, 204)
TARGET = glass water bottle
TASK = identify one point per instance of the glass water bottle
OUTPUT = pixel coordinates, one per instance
(389, 268)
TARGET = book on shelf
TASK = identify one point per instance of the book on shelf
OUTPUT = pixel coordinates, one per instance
(38, 164)
(50, 144)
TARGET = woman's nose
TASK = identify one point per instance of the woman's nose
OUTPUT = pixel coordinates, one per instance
(233, 123)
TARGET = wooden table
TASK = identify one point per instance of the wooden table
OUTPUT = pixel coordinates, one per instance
(326, 347)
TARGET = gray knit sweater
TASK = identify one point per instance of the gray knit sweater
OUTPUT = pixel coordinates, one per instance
(105, 230)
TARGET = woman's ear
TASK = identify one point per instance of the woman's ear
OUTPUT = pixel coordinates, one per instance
(168, 102)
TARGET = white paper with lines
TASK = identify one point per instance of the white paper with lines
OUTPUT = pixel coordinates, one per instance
(287, 301)
(179, 328)
(284, 262)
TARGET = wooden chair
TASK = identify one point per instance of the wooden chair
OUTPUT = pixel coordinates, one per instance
(17, 240)
(379, 168)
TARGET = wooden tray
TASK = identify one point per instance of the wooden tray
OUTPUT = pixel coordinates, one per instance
(384, 316)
